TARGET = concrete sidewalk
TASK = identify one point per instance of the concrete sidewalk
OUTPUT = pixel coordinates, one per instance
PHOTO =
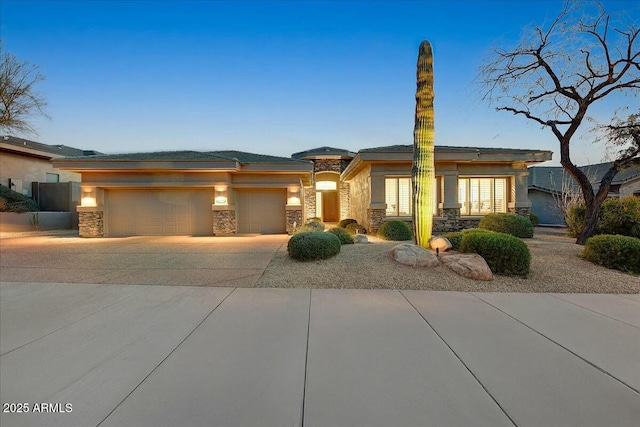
(193, 356)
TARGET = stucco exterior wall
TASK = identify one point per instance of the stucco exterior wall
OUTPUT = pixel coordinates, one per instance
(29, 169)
(630, 187)
(360, 196)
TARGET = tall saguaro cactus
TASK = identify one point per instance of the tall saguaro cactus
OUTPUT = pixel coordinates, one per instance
(423, 170)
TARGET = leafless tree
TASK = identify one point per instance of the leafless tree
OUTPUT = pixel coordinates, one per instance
(19, 100)
(557, 73)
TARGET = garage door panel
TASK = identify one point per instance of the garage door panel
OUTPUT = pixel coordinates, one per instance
(261, 211)
(159, 212)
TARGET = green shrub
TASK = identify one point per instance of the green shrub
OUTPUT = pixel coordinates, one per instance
(575, 219)
(455, 237)
(355, 228)
(505, 254)
(617, 216)
(618, 252)
(12, 201)
(395, 230)
(535, 220)
(313, 245)
(344, 222)
(509, 223)
(314, 219)
(310, 226)
(620, 216)
(342, 234)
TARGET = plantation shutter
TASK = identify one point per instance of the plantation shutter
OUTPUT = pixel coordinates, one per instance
(500, 195)
(391, 196)
(485, 196)
(404, 196)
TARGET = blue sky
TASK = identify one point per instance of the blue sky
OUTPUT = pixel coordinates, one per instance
(270, 77)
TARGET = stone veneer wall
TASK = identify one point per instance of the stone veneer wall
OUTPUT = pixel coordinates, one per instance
(375, 218)
(525, 212)
(345, 203)
(91, 224)
(224, 222)
(309, 202)
(330, 165)
(294, 219)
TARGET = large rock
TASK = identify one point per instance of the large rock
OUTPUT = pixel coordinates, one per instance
(472, 266)
(413, 255)
(441, 243)
(360, 238)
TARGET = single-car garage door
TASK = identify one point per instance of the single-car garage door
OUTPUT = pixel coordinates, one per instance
(261, 211)
(159, 212)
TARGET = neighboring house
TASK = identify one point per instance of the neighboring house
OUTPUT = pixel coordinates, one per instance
(545, 181)
(23, 162)
(228, 192)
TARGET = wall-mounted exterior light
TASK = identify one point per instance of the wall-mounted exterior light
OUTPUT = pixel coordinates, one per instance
(220, 195)
(88, 197)
(293, 196)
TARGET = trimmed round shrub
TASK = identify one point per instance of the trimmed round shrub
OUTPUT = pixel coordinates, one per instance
(342, 234)
(455, 237)
(614, 251)
(395, 230)
(355, 228)
(313, 245)
(508, 223)
(505, 254)
(535, 220)
(344, 222)
(314, 219)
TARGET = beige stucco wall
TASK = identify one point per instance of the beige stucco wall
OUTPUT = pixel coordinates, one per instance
(360, 195)
(630, 187)
(29, 169)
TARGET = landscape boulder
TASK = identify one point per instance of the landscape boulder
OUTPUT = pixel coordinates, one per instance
(360, 238)
(441, 243)
(472, 266)
(413, 255)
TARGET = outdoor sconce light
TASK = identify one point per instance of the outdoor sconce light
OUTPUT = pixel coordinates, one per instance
(88, 197)
(221, 195)
(293, 195)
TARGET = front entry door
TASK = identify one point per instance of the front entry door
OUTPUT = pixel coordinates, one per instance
(330, 209)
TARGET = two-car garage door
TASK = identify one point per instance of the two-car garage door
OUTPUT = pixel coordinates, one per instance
(154, 212)
(167, 212)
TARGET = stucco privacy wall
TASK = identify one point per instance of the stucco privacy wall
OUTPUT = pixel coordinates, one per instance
(29, 170)
(360, 196)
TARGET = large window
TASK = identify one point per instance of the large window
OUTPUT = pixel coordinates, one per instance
(398, 196)
(482, 196)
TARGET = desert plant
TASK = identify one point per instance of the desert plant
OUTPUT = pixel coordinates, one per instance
(535, 220)
(395, 230)
(310, 226)
(620, 216)
(617, 252)
(508, 223)
(423, 170)
(342, 234)
(575, 219)
(313, 245)
(455, 237)
(505, 254)
(314, 219)
(13, 201)
(355, 228)
(344, 222)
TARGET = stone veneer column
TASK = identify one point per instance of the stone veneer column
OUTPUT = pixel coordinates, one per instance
(376, 215)
(345, 202)
(224, 220)
(294, 218)
(90, 221)
(309, 202)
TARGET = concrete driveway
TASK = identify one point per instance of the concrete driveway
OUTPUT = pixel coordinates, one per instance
(209, 356)
(197, 261)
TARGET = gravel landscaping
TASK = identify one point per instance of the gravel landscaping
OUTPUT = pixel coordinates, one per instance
(555, 267)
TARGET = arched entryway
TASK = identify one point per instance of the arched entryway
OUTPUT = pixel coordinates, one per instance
(328, 196)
